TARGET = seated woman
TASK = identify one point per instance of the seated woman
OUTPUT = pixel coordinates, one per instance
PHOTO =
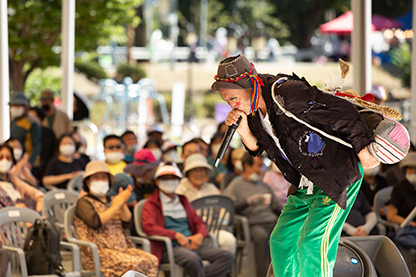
(403, 196)
(22, 166)
(13, 187)
(64, 167)
(101, 221)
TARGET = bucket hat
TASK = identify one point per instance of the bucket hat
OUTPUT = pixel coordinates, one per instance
(195, 161)
(95, 167)
(143, 160)
(18, 98)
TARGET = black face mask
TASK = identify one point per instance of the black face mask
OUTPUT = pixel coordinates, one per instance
(77, 145)
(46, 107)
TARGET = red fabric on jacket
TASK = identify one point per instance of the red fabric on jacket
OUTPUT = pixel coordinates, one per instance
(153, 221)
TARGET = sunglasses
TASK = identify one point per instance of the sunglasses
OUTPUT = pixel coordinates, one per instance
(9, 158)
(111, 147)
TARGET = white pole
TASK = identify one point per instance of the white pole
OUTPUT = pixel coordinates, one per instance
(361, 48)
(413, 78)
(4, 73)
(67, 56)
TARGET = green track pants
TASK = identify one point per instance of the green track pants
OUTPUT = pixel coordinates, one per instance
(305, 239)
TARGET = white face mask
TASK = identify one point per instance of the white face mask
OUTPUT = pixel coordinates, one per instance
(254, 177)
(17, 153)
(114, 157)
(67, 149)
(168, 186)
(170, 156)
(5, 165)
(99, 188)
(215, 148)
(411, 178)
(239, 165)
(372, 171)
(157, 153)
(16, 112)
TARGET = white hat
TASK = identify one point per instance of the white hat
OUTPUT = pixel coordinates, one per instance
(197, 160)
(167, 169)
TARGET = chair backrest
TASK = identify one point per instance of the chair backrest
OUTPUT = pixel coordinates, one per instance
(13, 225)
(69, 225)
(55, 202)
(381, 198)
(138, 210)
(132, 273)
(75, 184)
(217, 211)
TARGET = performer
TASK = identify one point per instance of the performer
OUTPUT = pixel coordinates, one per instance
(319, 142)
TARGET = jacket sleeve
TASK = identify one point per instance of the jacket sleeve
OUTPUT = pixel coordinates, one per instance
(197, 224)
(317, 107)
(149, 222)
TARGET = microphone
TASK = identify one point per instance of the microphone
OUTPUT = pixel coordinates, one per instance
(226, 141)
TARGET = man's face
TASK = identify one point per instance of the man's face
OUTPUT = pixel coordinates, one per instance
(256, 167)
(190, 148)
(130, 139)
(237, 99)
(113, 145)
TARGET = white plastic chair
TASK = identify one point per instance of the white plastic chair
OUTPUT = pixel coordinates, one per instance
(55, 202)
(75, 184)
(14, 223)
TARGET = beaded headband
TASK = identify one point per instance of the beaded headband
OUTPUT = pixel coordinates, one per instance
(255, 81)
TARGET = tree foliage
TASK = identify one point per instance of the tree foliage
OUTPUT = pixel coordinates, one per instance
(35, 29)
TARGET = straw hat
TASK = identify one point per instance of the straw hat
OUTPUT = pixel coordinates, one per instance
(195, 161)
(95, 167)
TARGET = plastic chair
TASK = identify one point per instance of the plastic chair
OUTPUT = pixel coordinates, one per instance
(55, 202)
(380, 200)
(175, 270)
(217, 211)
(14, 228)
(244, 244)
(75, 184)
(132, 273)
(71, 235)
(383, 253)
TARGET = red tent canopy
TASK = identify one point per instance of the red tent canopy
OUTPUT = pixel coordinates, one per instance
(342, 25)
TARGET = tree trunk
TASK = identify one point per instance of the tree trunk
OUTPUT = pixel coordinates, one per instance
(17, 77)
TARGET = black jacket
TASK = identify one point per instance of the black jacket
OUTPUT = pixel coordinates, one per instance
(331, 166)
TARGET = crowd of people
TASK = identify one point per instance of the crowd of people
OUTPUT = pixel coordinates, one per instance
(44, 152)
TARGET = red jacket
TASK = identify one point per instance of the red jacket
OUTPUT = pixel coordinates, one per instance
(153, 221)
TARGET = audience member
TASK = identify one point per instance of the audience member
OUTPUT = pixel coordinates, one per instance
(361, 219)
(22, 167)
(25, 128)
(113, 150)
(21, 193)
(79, 150)
(154, 146)
(221, 169)
(234, 167)
(279, 185)
(222, 128)
(130, 141)
(188, 148)
(49, 140)
(63, 167)
(196, 185)
(203, 145)
(168, 214)
(55, 119)
(155, 132)
(142, 170)
(256, 201)
(372, 183)
(101, 221)
(169, 151)
(403, 196)
(394, 174)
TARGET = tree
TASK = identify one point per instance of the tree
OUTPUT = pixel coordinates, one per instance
(35, 28)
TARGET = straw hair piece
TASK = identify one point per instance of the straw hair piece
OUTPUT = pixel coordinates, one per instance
(345, 68)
